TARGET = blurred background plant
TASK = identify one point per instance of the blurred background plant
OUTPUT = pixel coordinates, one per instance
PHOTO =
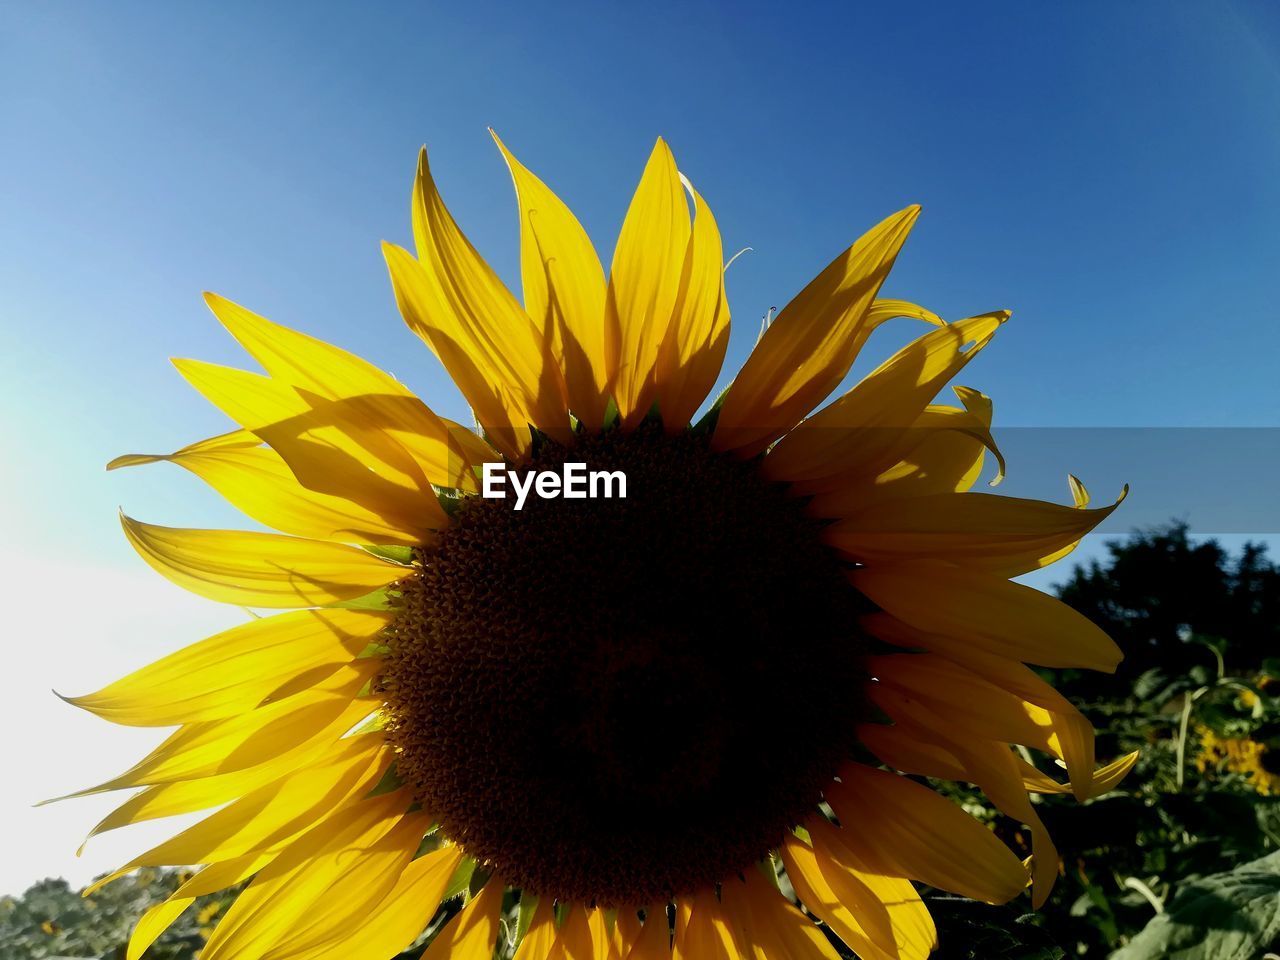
(1181, 861)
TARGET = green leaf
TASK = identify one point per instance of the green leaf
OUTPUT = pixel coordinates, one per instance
(977, 931)
(1226, 916)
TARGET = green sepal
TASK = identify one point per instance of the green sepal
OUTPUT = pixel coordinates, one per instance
(611, 415)
(391, 781)
(380, 599)
(528, 903)
(396, 554)
(707, 422)
(461, 880)
(450, 498)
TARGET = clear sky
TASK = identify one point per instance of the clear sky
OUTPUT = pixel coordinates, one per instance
(1107, 171)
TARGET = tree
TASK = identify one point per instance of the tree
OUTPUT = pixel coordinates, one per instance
(1165, 598)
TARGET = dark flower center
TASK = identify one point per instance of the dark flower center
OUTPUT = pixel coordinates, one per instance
(621, 700)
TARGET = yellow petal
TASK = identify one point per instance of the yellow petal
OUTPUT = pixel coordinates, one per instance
(267, 818)
(399, 917)
(1006, 536)
(159, 918)
(259, 569)
(1072, 735)
(947, 457)
(626, 930)
(644, 283)
(698, 335)
(224, 441)
(257, 481)
(1007, 619)
(919, 685)
(447, 451)
(155, 921)
(573, 938)
(772, 929)
(332, 446)
(985, 763)
(245, 740)
(707, 934)
(914, 933)
(540, 936)
(456, 302)
(1103, 780)
(870, 427)
(858, 918)
(471, 935)
(322, 882)
(884, 310)
(654, 940)
(564, 290)
(810, 347)
(238, 669)
(916, 833)
(191, 796)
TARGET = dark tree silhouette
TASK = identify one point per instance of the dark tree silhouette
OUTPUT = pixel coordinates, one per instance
(1164, 597)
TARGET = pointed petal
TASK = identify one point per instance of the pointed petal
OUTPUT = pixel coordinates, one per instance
(400, 917)
(871, 427)
(1006, 536)
(238, 669)
(1072, 735)
(708, 933)
(332, 446)
(1105, 779)
(810, 347)
(564, 290)
(858, 918)
(257, 481)
(212, 878)
(654, 941)
(987, 764)
(918, 685)
(204, 793)
(644, 282)
(772, 929)
(472, 934)
(884, 310)
(347, 863)
(916, 833)
(1007, 619)
(245, 740)
(693, 351)
(914, 933)
(541, 934)
(259, 569)
(458, 303)
(447, 451)
(947, 457)
(395, 923)
(267, 818)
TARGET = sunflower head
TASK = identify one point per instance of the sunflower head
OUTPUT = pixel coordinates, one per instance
(615, 721)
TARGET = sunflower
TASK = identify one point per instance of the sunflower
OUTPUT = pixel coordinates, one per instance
(1255, 757)
(694, 721)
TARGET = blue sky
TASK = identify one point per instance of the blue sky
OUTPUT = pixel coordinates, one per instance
(1106, 171)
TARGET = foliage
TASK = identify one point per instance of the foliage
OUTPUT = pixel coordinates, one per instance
(1179, 863)
(50, 920)
(1198, 628)
(1227, 916)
